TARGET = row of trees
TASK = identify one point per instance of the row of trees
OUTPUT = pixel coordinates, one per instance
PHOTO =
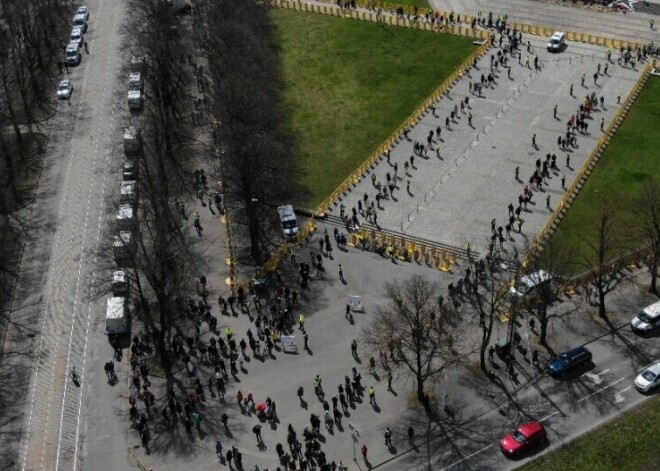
(256, 148)
(420, 335)
(163, 255)
(32, 39)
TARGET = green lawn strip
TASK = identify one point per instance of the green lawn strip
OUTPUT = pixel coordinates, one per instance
(412, 3)
(350, 84)
(629, 161)
(628, 442)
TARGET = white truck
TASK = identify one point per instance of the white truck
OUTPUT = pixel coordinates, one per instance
(136, 84)
(116, 316)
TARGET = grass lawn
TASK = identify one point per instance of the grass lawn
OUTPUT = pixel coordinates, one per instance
(413, 3)
(630, 160)
(627, 443)
(350, 84)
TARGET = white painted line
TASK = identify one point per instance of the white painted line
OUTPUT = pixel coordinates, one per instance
(604, 371)
(601, 390)
(548, 416)
(624, 390)
(467, 458)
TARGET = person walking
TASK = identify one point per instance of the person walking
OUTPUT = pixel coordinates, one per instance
(389, 380)
(341, 274)
(364, 451)
(388, 437)
(301, 322)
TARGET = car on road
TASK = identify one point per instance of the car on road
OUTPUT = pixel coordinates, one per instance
(557, 41)
(64, 90)
(648, 379)
(77, 36)
(524, 437)
(569, 360)
(83, 10)
(647, 320)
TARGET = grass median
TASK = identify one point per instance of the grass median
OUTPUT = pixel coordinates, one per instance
(628, 163)
(627, 443)
(350, 84)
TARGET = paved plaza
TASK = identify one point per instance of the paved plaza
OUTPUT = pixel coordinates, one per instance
(454, 197)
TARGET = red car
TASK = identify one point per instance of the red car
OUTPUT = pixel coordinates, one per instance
(527, 435)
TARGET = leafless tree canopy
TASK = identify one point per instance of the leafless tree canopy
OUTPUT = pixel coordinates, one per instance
(647, 227)
(256, 147)
(415, 332)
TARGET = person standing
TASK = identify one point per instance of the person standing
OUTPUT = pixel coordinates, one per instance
(257, 433)
(388, 436)
(372, 396)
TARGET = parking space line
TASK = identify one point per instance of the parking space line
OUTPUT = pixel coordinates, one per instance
(467, 458)
(548, 416)
(601, 390)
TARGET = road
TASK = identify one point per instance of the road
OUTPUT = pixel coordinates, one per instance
(559, 15)
(55, 318)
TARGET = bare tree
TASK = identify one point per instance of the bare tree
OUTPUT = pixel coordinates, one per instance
(258, 154)
(418, 335)
(601, 253)
(647, 227)
(557, 261)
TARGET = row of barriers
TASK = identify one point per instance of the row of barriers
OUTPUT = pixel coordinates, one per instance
(403, 248)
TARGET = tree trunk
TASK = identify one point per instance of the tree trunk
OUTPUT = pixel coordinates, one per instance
(654, 276)
(601, 301)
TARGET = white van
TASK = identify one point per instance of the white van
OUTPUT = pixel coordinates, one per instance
(80, 21)
(119, 283)
(128, 192)
(648, 319)
(288, 221)
(125, 217)
(116, 316)
(557, 41)
(530, 284)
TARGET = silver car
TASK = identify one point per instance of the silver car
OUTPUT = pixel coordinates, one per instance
(64, 90)
(649, 378)
(77, 36)
(83, 10)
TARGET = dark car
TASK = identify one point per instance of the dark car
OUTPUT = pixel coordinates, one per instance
(526, 436)
(565, 362)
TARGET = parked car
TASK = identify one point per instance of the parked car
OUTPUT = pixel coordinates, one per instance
(73, 56)
(80, 21)
(648, 379)
(64, 90)
(523, 438)
(77, 36)
(83, 10)
(557, 41)
(647, 320)
(529, 285)
(571, 359)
